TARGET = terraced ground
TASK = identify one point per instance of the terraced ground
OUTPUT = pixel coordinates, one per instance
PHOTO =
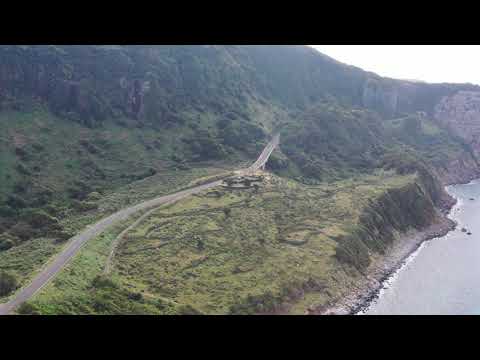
(26, 259)
(223, 251)
(83, 143)
(53, 267)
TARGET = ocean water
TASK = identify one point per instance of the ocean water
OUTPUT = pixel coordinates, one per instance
(443, 276)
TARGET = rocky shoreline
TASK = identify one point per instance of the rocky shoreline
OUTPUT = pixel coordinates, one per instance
(382, 270)
(384, 267)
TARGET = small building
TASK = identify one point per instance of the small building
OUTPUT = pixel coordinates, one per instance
(242, 182)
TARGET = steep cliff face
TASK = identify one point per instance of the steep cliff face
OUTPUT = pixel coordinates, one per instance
(460, 114)
(83, 82)
(160, 84)
(176, 105)
(380, 96)
(413, 206)
(98, 82)
(397, 97)
(93, 83)
(461, 170)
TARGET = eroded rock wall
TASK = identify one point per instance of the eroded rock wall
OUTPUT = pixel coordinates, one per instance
(460, 114)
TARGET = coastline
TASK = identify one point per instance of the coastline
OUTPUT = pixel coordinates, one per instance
(384, 267)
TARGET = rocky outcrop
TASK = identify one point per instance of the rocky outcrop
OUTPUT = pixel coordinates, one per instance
(380, 96)
(393, 226)
(96, 82)
(460, 114)
(369, 286)
(396, 211)
(85, 83)
(459, 171)
(396, 97)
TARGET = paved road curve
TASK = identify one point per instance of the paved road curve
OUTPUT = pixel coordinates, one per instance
(92, 231)
(265, 155)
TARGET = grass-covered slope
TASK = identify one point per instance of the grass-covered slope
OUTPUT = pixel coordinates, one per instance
(250, 251)
(87, 130)
(153, 83)
(56, 177)
(330, 142)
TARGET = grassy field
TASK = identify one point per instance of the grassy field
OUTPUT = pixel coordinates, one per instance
(55, 152)
(224, 251)
(260, 250)
(83, 142)
(26, 259)
(52, 154)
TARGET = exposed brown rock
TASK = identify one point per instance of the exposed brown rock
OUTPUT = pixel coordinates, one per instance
(460, 114)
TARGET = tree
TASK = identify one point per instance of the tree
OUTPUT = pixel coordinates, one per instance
(8, 283)
(412, 126)
(27, 309)
(6, 242)
(38, 218)
(103, 281)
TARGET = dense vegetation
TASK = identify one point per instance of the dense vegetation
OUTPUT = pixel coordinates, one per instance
(87, 130)
(230, 251)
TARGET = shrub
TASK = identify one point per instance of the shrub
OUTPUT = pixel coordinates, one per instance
(91, 148)
(7, 211)
(6, 242)
(276, 163)
(21, 152)
(102, 281)
(254, 304)
(8, 283)
(227, 212)
(412, 126)
(140, 176)
(38, 147)
(237, 134)
(23, 231)
(21, 187)
(85, 205)
(149, 172)
(135, 296)
(38, 218)
(16, 202)
(62, 236)
(27, 309)
(351, 250)
(22, 169)
(79, 190)
(94, 196)
(206, 147)
(53, 210)
(188, 310)
(177, 158)
(43, 196)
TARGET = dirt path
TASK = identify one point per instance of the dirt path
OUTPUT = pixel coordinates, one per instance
(74, 245)
(119, 238)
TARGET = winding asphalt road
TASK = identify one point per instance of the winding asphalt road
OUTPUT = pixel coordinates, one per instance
(265, 155)
(56, 265)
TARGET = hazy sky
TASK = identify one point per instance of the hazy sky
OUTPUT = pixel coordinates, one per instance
(431, 63)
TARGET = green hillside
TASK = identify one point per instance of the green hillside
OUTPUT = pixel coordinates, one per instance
(88, 130)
